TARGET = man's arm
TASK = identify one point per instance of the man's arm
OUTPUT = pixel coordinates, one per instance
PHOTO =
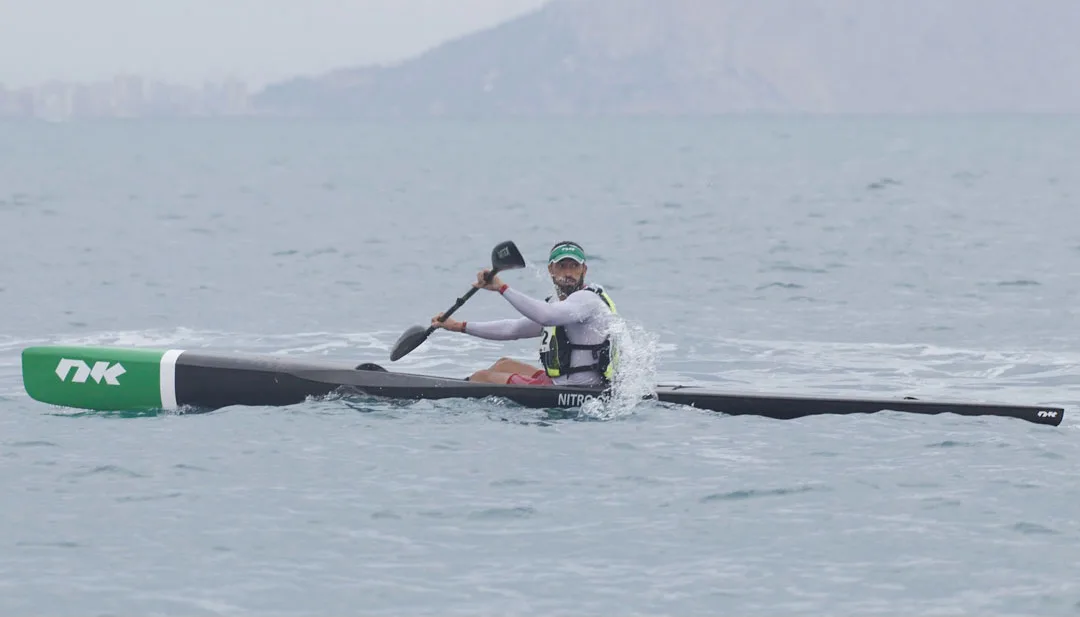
(500, 330)
(575, 309)
(504, 329)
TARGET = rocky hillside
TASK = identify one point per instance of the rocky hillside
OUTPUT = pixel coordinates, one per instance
(714, 56)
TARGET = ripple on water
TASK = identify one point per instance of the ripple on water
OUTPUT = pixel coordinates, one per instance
(31, 444)
(948, 443)
(105, 470)
(756, 493)
(151, 497)
(1019, 283)
(54, 544)
(1033, 529)
(513, 482)
(493, 514)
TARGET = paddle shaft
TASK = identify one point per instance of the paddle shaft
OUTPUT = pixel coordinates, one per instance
(505, 256)
(463, 299)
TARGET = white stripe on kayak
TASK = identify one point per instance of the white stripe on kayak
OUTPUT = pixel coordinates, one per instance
(168, 378)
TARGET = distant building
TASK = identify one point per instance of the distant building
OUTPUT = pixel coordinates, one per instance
(124, 96)
(54, 101)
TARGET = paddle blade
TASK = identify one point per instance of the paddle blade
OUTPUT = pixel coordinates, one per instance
(506, 256)
(410, 340)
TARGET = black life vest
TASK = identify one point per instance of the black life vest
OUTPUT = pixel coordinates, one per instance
(555, 348)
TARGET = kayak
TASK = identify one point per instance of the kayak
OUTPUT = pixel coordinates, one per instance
(138, 379)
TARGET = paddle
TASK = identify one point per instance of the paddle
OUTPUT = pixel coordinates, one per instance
(505, 256)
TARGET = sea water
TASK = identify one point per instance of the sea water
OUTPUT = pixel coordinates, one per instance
(873, 256)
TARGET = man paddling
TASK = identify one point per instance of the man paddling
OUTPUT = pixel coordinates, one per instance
(575, 347)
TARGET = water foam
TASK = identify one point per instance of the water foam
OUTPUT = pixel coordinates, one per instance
(140, 338)
(923, 370)
(635, 376)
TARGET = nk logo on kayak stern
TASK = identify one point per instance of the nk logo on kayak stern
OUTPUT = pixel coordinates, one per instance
(83, 371)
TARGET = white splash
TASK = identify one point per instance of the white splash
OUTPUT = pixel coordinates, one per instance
(635, 376)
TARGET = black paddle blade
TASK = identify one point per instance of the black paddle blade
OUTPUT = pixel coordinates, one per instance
(410, 340)
(506, 256)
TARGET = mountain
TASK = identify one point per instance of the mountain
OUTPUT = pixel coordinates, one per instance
(612, 57)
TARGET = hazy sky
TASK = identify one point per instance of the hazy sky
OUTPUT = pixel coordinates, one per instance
(191, 40)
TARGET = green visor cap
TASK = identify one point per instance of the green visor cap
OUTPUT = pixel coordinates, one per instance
(566, 251)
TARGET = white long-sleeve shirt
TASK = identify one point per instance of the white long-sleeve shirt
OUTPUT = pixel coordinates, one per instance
(584, 314)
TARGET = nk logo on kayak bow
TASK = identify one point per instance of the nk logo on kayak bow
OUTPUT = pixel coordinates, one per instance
(83, 371)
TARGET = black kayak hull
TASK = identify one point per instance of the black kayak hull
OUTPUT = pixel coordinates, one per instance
(208, 380)
(217, 381)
